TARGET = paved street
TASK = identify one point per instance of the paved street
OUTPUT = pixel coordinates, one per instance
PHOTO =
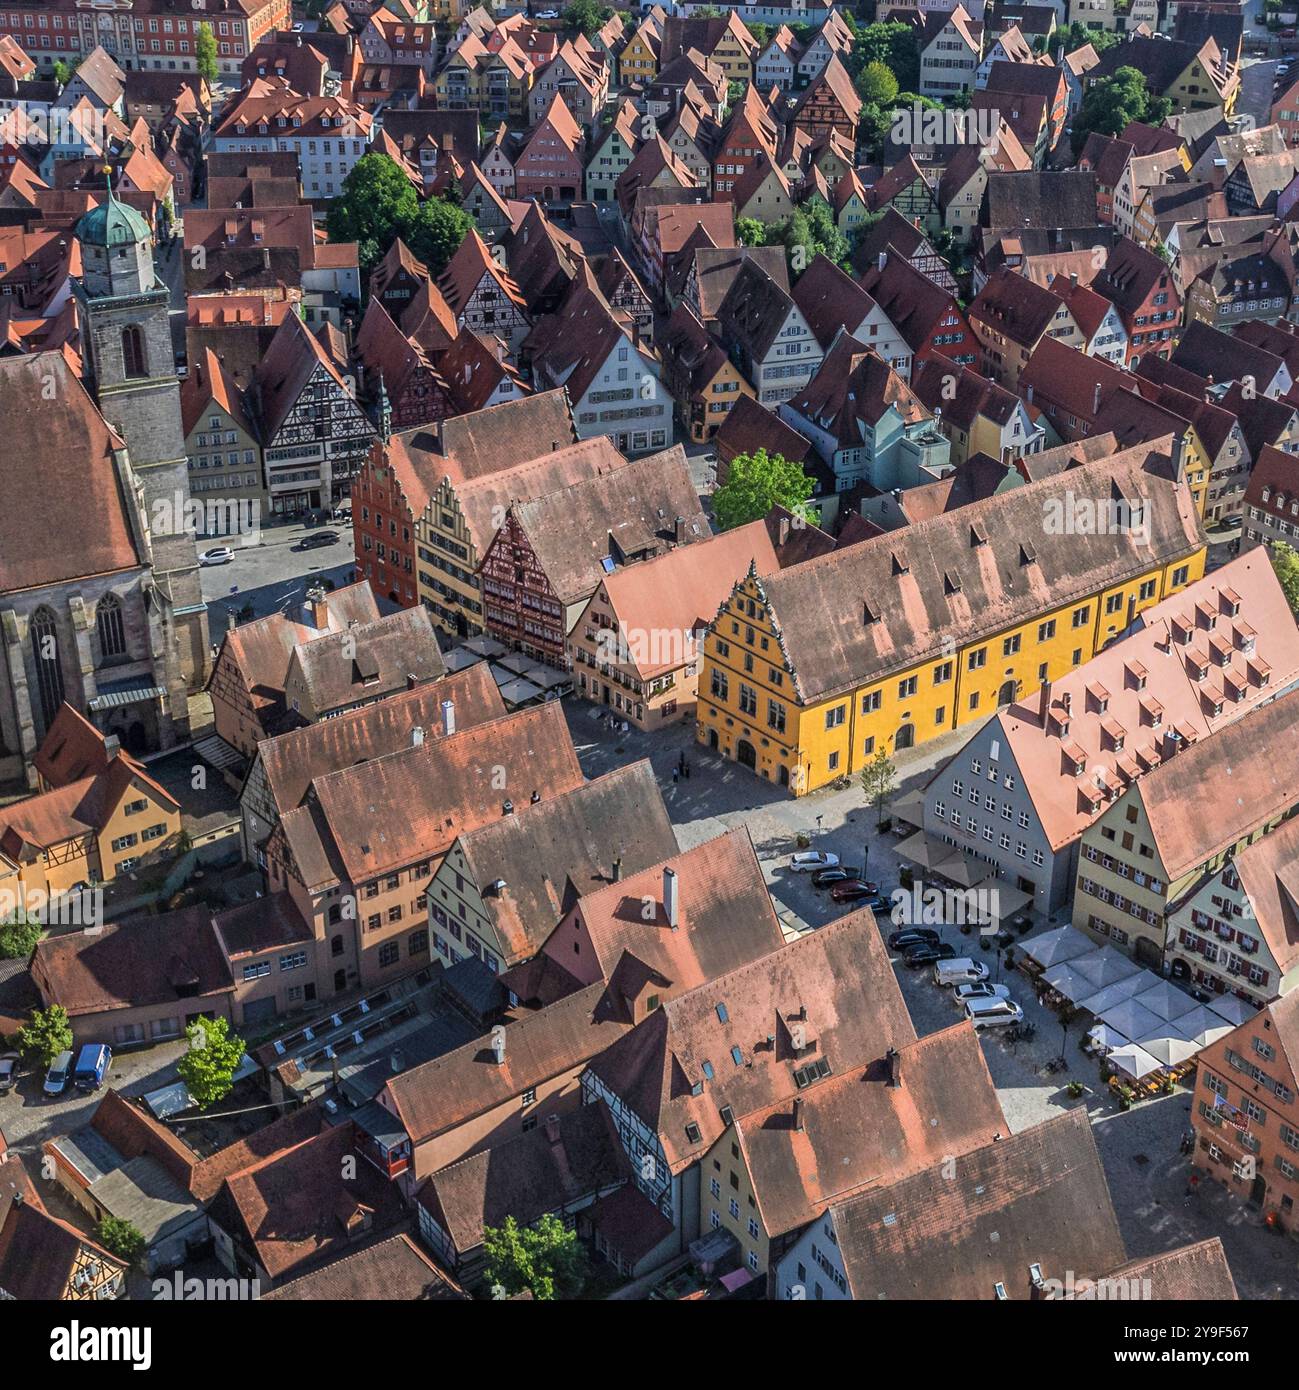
(270, 574)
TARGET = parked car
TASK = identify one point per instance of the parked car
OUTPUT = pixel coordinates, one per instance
(316, 540)
(981, 990)
(959, 970)
(827, 878)
(926, 952)
(808, 861)
(93, 1062)
(854, 891)
(56, 1078)
(8, 1071)
(993, 1013)
(218, 555)
(911, 936)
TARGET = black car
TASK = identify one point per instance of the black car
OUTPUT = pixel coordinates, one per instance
(925, 953)
(853, 891)
(911, 936)
(838, 873)
(316, 540)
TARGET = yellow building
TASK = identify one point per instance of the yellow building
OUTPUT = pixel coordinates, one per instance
(639, 61)
(808, 673)
(99, 816)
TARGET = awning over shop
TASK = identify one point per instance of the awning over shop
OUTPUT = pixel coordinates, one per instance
(132, 691)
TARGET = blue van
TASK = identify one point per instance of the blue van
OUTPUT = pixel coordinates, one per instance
(93, 1062)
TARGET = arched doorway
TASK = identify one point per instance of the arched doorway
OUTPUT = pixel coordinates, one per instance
(712, 739)
(340, 981)
(137, 741)
(1006, 694)
(746, 753)
(783, 775)
(904, 738)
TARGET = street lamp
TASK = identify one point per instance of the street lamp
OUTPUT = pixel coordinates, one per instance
(1064, 1033)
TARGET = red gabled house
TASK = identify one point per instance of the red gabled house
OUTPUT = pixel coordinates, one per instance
(926, 315)
(1140, 286)
(750, 132)
(415, 390)
(387, 497)
(551, 164)
(829, 102)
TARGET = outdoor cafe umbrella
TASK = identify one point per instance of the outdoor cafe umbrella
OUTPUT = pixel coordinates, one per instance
(1108, 1038)
(1203, 1026)
(1055, 947)
(1168, 1049)
(1232, 1008)
(1166, 1000)
(1116, 993)
(1134, 1061)
(1132, 1020)
(1064, 979)
(1106, 966)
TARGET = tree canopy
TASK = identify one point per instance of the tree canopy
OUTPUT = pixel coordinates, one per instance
(205, 53)
(1111, 103)
(1285, 561)
(120, 1238)
(894, 45)
(545, 1259)
(757, 482)
(208, 1065)
(876, 85)
(586, 16)
(48, 1034)
(18, 936)
(379, 204)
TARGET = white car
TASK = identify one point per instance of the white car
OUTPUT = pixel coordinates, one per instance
(218, 555)
(808, 861)
(993, 1013)
(982, 990)
(8, 1071)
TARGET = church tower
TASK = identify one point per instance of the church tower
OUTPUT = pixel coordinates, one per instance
(130, 366)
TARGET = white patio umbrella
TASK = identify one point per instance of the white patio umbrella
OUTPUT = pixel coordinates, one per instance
(1169, 1050)
(1203, 1026)
(1106, 966)
(1105, 1036)
(1056, 946)
(1133, 1061)
(1232, 1008)
(1166, 1000)
(1132, 1020)
(1117, 992)
(1064, 979)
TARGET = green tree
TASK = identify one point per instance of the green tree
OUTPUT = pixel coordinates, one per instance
(48, 1034)
(878, 778)
(18, 936)
(1111, 103)
(585, 16)
(892, 44)
(205, 53)
(1073, 36)
(750, 232)
(208, 1066)
(810, 232)
(120, 1238)
(876, 85)
(757, 482)
(63, 70)
(873, 128)
(761, 32)
(546, 1259)
(440, 226)
(1285, 561)
(377, 205)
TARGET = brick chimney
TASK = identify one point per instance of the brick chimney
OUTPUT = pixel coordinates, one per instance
(670, 904)
(894, 1059)
(317, 609)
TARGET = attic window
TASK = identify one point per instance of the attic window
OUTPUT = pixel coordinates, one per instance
(900, 566)
(737, 1056)
(693, 1135)
(868, 615)
(1000, 1291)
(727, 1114)
(1026, 555)
(978, 537)
(722, 1015)
(950, 585)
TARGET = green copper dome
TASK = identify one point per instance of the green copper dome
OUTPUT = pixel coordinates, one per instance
(112, 224)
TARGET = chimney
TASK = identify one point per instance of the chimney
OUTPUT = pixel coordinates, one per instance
(317, 609)
(397, 1062)
(1179, 457)
(798, 1113)
(448, 717)
(230, 620)
(417, 737)
(881, 261)
(412, 680)
(1096, 399)
(670, 897)
(552, 1128)
(1073, 279)
(616, 872)
(894, 1059)
(498, 1047)
(112, 746)
(679, 529)
(535, 797)
(782, 534)
(1046, 702)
